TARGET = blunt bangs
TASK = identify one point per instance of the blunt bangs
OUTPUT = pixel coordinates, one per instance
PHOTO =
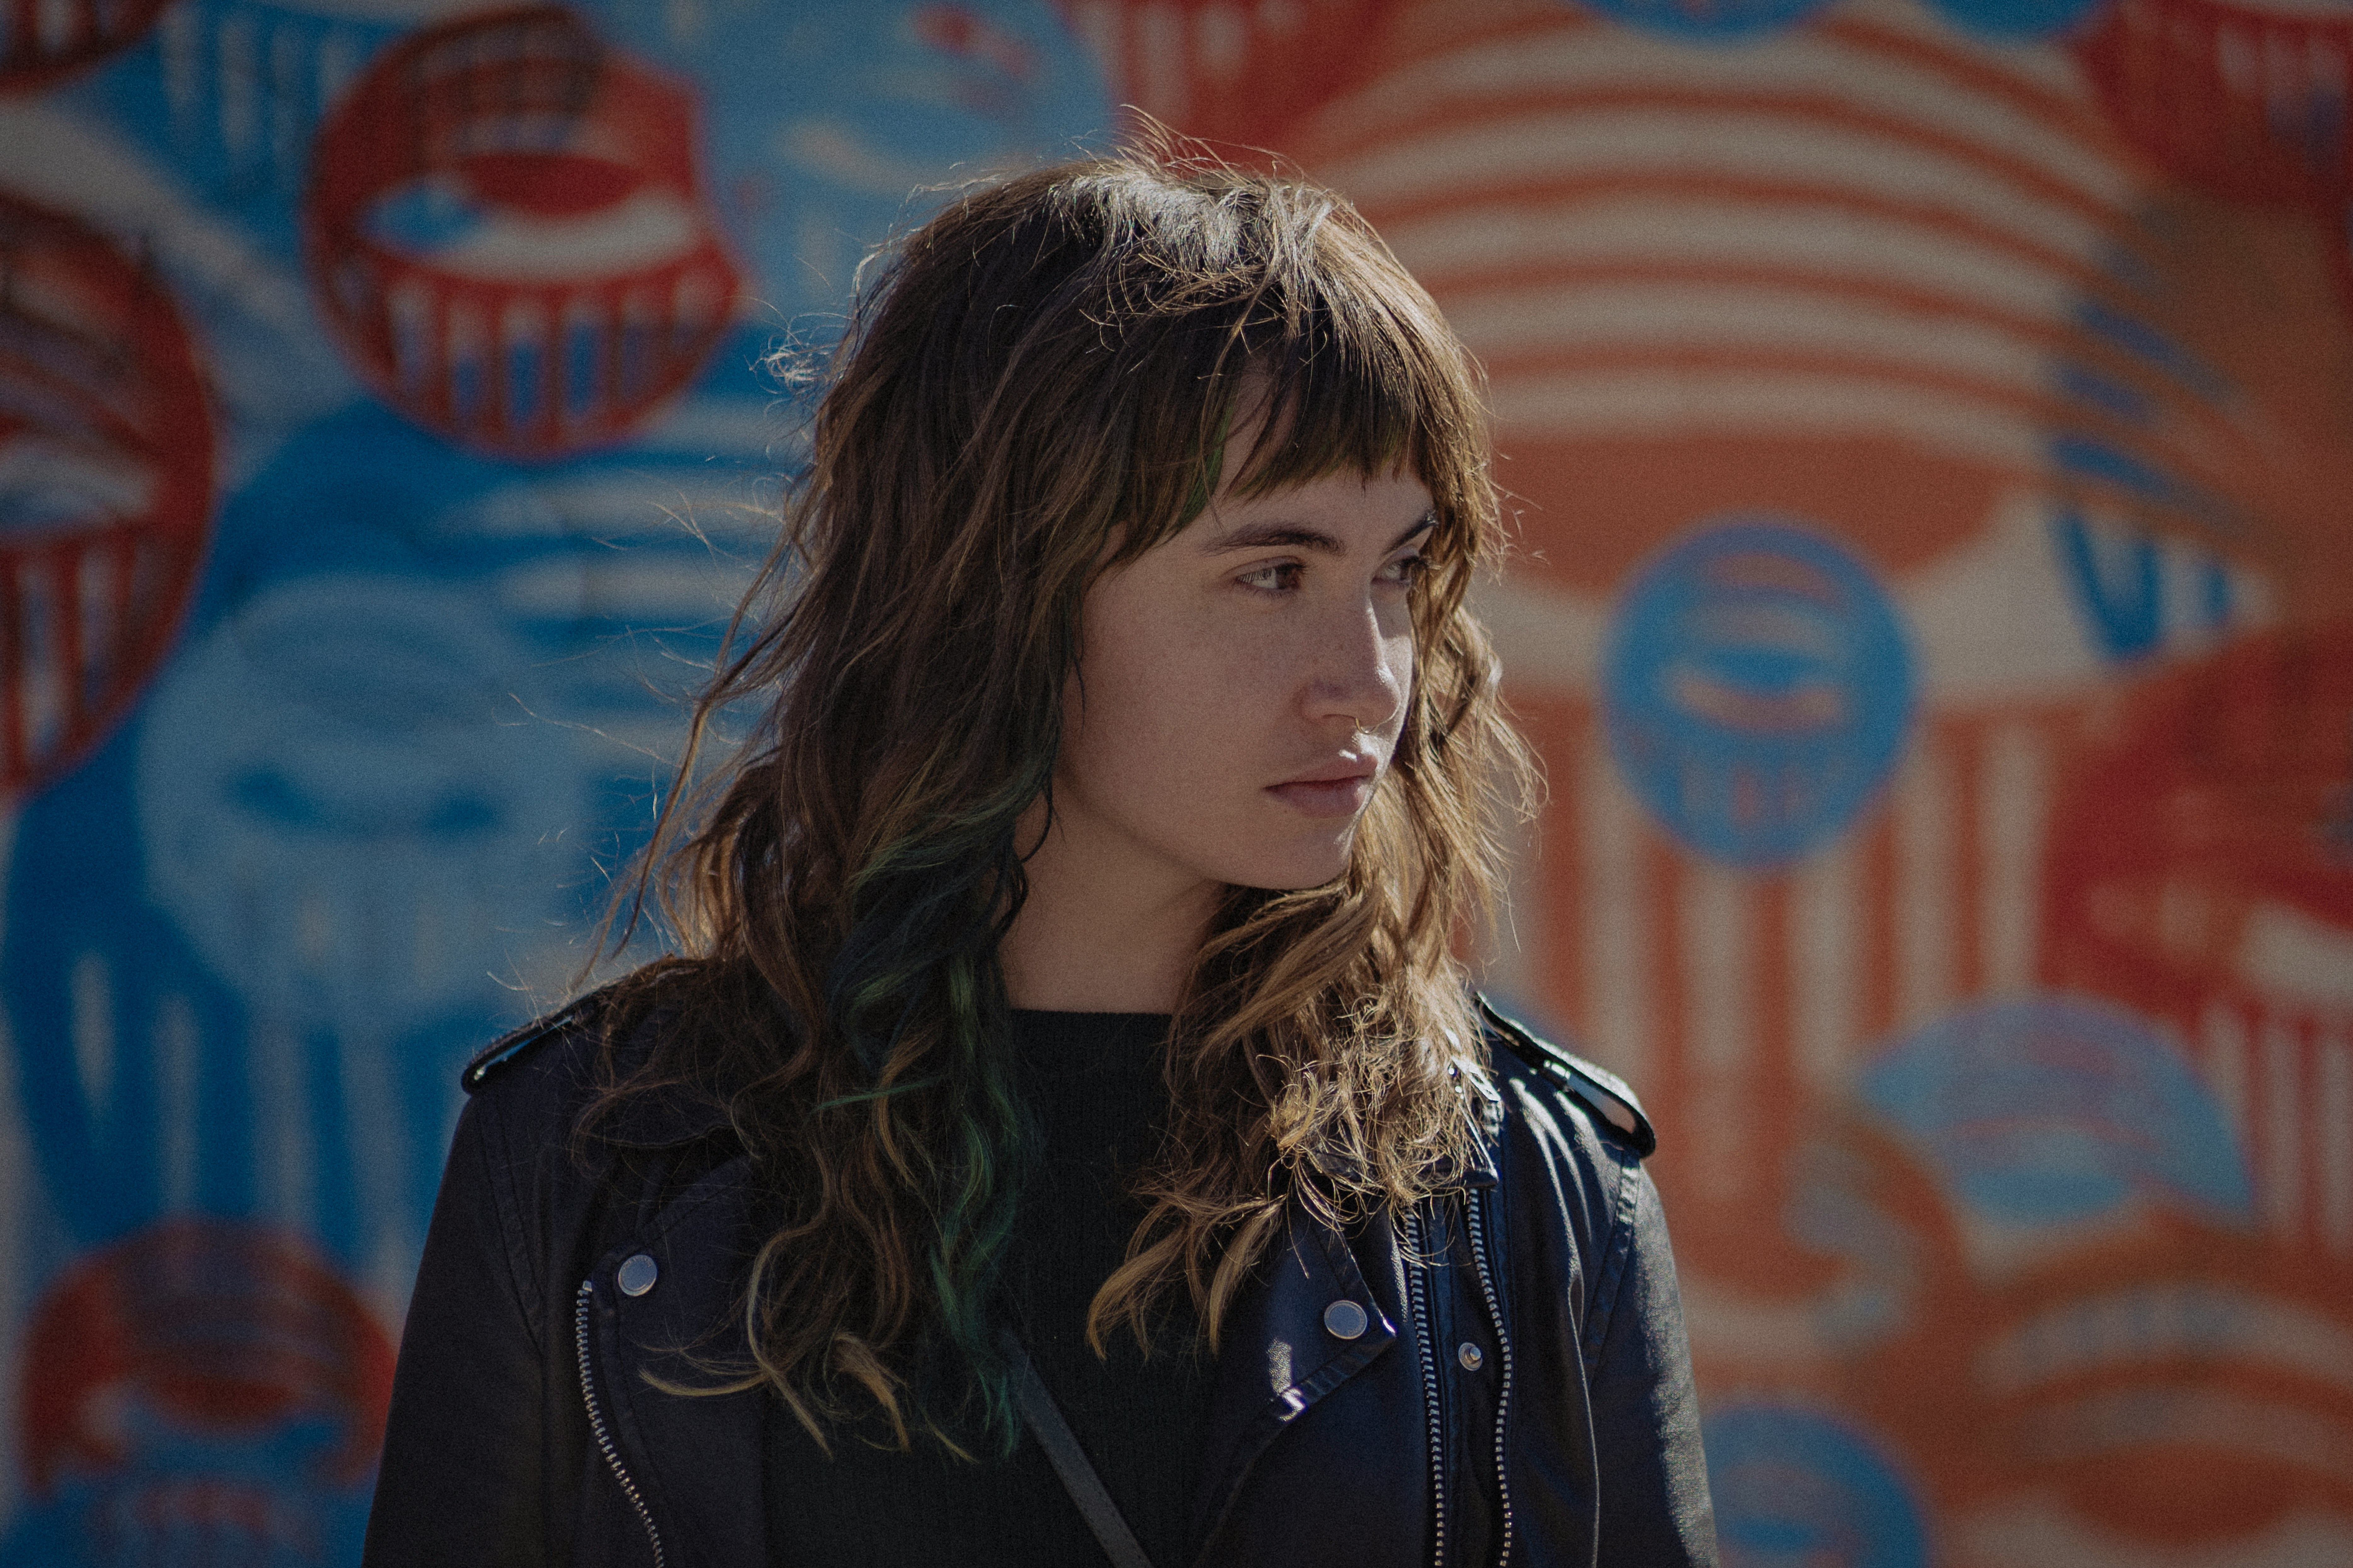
(1261, 308)
(1360, 376)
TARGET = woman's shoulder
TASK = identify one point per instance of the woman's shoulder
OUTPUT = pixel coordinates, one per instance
(604, 1048)
(1572, 1141)
(561, 1037)
(1592, 1095)
(1576, 1121)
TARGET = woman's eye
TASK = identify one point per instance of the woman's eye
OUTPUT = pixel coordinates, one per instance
(1406, 570)
(1279, 577)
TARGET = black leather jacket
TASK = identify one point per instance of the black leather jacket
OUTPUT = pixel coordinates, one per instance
(524, 1432)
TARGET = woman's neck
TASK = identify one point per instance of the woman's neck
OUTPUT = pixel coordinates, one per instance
(1102, 930)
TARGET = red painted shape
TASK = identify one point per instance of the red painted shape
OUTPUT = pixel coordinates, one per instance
(45, 43)
(227, 1326)
(552, 184)
(1233, 74)
(2237, 101)
(529, 117)
(2198, 854)
(958, 30)
(100, 392)
(2245, 104)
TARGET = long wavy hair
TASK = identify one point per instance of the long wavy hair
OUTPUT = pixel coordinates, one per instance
(1036, 385)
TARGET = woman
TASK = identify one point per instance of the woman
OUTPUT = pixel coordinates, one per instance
(1065, 1134)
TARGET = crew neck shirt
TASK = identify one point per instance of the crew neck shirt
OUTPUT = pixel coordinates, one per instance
(1094, 1086)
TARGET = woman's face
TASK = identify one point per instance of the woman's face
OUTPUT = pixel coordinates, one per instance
(1241, 687)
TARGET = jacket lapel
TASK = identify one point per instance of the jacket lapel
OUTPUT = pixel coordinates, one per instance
(698, 1458)
(1281, 1357)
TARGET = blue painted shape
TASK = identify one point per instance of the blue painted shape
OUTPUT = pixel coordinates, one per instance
(2215, 600)
(387, 751)
(1757, 689)
(223, 98)
(2144, 342)
(256, 1499)
(2086, 456)
(85, 920)
(2107, 395)
(1795, 1488)
(2015, 18)
(336, 790)
(1708, 19)
(2056, 1110)
(429, 215)
(2119, 590)
(2096, 460)
(821, 119)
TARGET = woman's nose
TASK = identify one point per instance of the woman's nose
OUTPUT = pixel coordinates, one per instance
(1361, 670)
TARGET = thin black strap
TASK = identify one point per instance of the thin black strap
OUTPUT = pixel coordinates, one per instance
(1044, 1419)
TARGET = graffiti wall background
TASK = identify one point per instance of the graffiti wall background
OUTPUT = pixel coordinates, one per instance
(1932, 432)
(382, 445)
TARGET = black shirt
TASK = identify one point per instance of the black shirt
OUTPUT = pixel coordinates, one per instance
(1093, 1081)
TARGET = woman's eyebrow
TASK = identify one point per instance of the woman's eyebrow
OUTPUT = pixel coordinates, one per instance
(1281, 535)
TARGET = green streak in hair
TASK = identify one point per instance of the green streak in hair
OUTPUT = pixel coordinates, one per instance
(925, 924)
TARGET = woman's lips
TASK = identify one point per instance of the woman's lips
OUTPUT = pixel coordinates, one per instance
(1343, 796)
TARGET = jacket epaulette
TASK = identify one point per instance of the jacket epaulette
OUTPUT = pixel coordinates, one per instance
(1602, 1090)
(512, 1046)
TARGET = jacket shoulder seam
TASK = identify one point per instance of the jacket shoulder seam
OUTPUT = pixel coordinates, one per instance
(516, 1044)
(1601, 1091)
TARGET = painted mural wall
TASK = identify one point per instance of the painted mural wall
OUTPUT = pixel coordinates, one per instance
(1931, 431)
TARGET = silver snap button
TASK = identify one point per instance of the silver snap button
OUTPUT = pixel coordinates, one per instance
(637, 1274)
(1343, 1320)
(1470, 1356)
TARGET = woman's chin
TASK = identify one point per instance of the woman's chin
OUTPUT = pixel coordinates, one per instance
(1294, 866)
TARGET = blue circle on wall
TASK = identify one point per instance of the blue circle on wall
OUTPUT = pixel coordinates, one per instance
(1707, 18)
(1757, 689)
(1793, 1486)
(2015, 18)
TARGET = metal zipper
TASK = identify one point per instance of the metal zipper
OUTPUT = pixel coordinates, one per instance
(596, 1420)
(1418, 1303)
(1503, 1343)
